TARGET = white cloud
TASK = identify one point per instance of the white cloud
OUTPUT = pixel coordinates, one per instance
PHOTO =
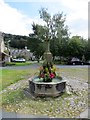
(79, 9)
(78, 12)
(14, 22)
(11, 20)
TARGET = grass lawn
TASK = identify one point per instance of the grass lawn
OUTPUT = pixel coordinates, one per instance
(9, 77)
(20, 63)
(75, 73)
(16, 101)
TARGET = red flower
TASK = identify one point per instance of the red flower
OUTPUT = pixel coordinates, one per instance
(52, 75)
(42, 75)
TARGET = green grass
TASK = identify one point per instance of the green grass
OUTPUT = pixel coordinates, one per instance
(12, 76)
(74, 73)
(18, 63)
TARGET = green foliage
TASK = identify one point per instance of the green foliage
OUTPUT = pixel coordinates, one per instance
(16, 41)
(55, 31)
(78, 47)
(44, 15)
(18, 63)
(39, 31)
(36, 46)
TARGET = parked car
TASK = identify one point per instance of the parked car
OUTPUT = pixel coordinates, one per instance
(75, 61)
(88, 62)
(19, 60)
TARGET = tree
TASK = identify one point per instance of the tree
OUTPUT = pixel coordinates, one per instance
(39, 31)
(87, 49)
(57, 32)
(35, 43)
(54, 31)
(77, 47)
(16, 41)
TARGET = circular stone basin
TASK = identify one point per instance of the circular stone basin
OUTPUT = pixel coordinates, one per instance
(39, 88)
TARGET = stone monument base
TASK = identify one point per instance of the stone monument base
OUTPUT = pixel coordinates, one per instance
(43, 89)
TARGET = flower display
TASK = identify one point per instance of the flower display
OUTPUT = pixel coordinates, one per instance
(47, 72)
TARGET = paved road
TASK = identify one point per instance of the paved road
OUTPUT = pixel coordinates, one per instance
(72, 66)
(36, 65)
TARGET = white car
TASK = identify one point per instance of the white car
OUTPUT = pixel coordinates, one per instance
(19, 60)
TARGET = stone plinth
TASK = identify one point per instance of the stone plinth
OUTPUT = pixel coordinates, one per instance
(53, 88)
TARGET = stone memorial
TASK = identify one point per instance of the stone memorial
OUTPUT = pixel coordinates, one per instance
(47, 83)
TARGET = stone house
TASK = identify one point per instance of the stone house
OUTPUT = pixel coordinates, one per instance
(24, 53)
(4, 56)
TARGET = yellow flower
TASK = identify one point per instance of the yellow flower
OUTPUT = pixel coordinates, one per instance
(46, 69)
(53, 69)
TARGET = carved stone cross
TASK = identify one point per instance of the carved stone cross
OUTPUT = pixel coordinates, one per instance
(47, 54)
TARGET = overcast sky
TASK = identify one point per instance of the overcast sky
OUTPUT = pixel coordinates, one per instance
(16, 16)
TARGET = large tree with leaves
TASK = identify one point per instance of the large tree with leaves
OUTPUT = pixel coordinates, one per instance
(56, 31)
(77, 47)
(35, 43)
